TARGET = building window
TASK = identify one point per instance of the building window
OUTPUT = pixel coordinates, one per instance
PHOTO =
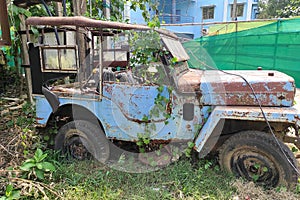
(208, 12)
(239, 10)
(178, 15)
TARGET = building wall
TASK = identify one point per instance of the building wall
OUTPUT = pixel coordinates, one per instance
(191, 11)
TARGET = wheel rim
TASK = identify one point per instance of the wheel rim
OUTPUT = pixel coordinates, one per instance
(77, 145)
(255, 166)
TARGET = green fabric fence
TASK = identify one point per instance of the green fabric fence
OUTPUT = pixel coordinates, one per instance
(274, 46)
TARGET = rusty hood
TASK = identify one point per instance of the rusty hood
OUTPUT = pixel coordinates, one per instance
(213, 87)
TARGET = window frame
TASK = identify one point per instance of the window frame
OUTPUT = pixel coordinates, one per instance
(206, 12)
(59, 49)
(237, 10)
(178, 16)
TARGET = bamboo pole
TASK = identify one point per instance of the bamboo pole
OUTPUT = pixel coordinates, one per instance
(25, 61)
(230, 22)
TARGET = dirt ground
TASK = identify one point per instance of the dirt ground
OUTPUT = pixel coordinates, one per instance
(12, 99)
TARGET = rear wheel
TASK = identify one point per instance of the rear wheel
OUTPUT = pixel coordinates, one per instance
(258, 157)
(81, 140)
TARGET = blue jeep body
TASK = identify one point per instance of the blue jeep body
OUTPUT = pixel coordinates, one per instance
(164, 100)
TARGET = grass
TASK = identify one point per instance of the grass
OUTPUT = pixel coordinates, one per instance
(180, 180)
(184, 179)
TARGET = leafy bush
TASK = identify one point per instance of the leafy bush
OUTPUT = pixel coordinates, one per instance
(37, 167)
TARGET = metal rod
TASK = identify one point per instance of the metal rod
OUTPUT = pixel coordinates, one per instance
(234, 11)
(101, 67)
(80, 21)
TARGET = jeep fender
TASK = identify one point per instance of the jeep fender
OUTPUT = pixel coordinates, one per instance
(213, 126)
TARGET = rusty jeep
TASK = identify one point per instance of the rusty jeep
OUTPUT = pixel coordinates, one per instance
(133, 86)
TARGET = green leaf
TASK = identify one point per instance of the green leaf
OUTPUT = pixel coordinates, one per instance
(34, 30)
(39, 166)
(15, 194)
(265, 169)
(174, 60)
(8, 191)
(46, 138)
(294, 149)
(27, 13)
(139, 143)
(188, 152)
(39, 155)
(191, 144)
(27, 166)
(257, 166)
(48, 166)
(160, 89)
(145, 118)
(255, 177)
(39, 174)
(146, 140)
(207, 165)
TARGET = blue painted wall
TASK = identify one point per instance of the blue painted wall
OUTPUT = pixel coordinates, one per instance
(190, 11)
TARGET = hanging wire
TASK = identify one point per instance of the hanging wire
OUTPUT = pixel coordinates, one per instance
(64, 8)
(50, 14)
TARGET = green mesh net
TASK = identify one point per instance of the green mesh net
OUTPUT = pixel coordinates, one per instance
(270, 45)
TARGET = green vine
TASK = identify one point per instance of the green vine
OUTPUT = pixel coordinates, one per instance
(145, 47)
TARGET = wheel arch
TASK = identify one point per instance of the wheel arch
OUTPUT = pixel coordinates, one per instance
(233, 126)
(227, 127)
(69, 112)
(247, 118)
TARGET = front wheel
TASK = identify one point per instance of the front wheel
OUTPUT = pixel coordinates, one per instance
(81, 139)
(258, 157)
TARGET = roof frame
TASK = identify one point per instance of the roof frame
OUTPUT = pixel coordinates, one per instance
(84, 22)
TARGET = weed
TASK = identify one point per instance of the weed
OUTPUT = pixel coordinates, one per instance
(11, 193)
(37, 167)
(188, 151)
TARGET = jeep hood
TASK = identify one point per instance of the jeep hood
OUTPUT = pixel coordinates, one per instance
(214, 87)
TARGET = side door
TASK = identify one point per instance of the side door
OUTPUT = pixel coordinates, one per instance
(147, 97)
(143, 100)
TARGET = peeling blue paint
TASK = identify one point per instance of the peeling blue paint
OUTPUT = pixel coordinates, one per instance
(289, 86)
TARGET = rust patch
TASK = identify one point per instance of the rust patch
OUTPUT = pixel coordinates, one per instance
(108, 89)
(188, 127)
(190, 81)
